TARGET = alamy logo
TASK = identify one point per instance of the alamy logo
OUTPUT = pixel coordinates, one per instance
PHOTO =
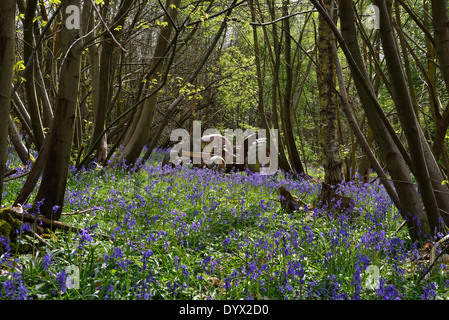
(371, 17)
(73, 277)
(373, 276)
(211, 148)
(73, 19)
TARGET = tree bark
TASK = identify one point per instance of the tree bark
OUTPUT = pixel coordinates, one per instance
(286, 106)
(7, 46)
(441, 35)
(326, 83)
(371, 158)
(14, 136)
(30, 89)
(54, 177)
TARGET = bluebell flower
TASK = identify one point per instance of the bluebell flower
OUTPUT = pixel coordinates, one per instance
(9, 288)
(84, 236)
(22, 290)
(46, 261)
(429, 292)
(25, 227)
(185, 271)
(61, 278)
(226, 242)
(387, 292)
(5, 241)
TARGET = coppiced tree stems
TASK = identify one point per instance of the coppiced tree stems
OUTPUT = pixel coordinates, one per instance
(54, 176)
(141, 133)
(102, 74)
(407, 116)
(360, 137)
(410, 201)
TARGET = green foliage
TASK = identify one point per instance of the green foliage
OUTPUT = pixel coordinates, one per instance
(237, 92)
(198, 234)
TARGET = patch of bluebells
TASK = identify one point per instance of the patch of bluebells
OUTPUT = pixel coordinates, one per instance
(388, 291)
(61, 279)
(46, 261)
(13, 288)
(225, 215)
(429, 292)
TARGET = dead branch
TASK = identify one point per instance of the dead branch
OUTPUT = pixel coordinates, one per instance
(51, 224)
(77, 212)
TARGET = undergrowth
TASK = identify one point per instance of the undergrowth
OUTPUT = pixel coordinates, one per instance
(188, 233)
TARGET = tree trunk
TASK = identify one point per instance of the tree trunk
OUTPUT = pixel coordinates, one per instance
(286, 107)
(19, 146)
(370, 157)
(328, 126)
(54, 177)
(275, 57)
(7, 46)
(441, 31)
(30, 89)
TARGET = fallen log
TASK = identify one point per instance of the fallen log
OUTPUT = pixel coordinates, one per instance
(18, 213)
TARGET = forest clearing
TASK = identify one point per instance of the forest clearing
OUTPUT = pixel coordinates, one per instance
(212, 150)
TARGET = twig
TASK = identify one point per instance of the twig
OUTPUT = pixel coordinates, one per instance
(50, 223)
(432, 255)
(17, 177)
(77, 212)
(238, 256)
(28, 63)
(400, 227)
(106, 26)
(39, 238)
(10, 173)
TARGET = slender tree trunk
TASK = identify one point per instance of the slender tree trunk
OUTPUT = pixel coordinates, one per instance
(7, 46)
(286, 118)
(407, 69)
(54, 177)
(30, 89)
(275, 56)
(14, 136)
(328, 126)
(260, 89)
(94, 68)
(371, 158)
(441, 32)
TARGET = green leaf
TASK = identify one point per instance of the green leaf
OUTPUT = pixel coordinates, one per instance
(19, 66)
